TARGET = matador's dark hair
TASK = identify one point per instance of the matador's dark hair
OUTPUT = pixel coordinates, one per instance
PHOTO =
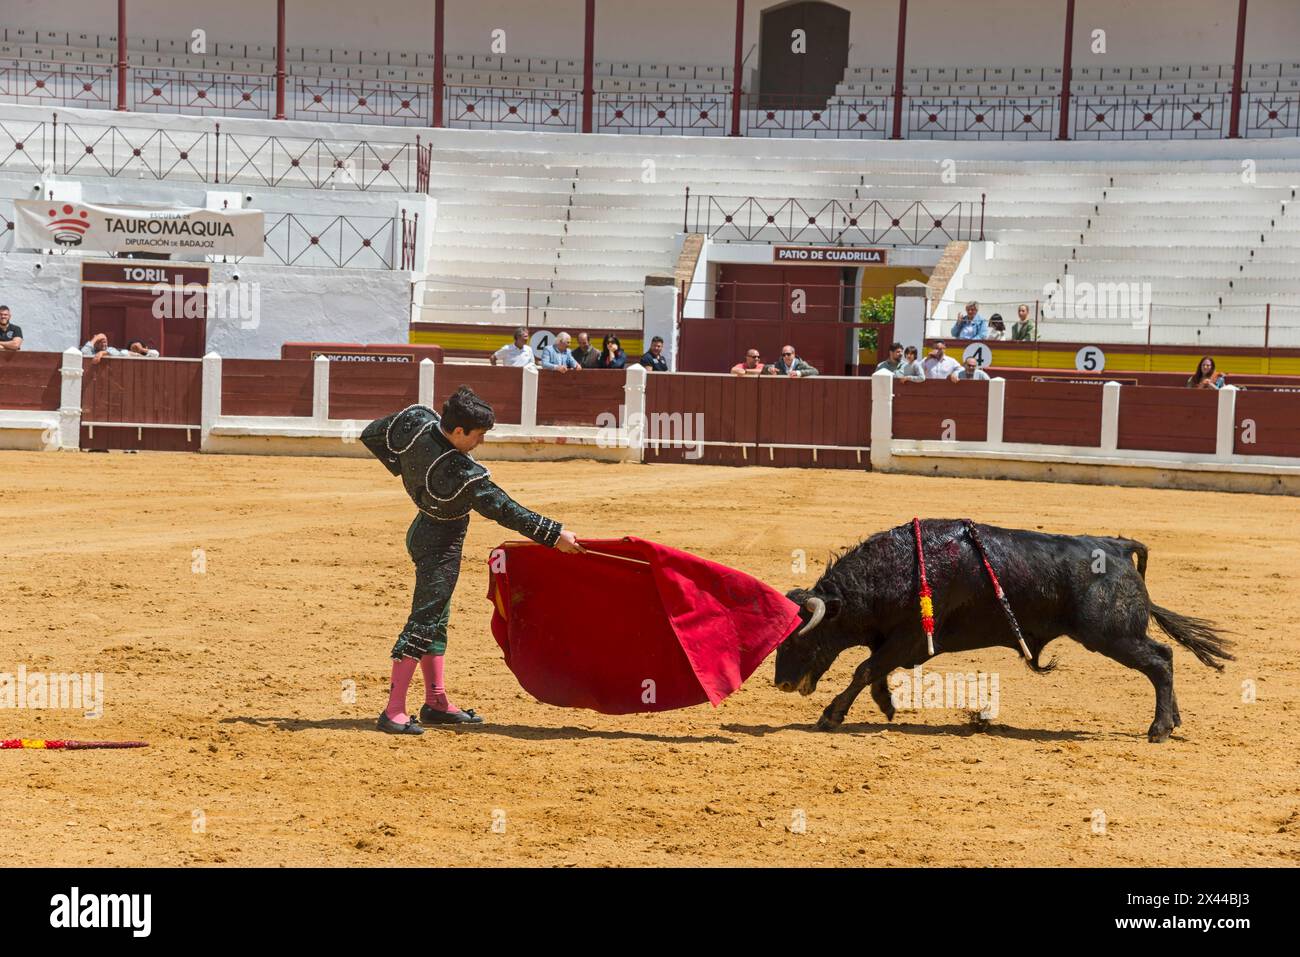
(467, 410)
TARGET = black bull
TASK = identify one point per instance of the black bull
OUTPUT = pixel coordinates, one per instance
(1078, 585)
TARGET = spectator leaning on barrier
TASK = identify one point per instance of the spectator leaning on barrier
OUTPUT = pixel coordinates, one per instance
(753, 364)
(654, 359)
(894, 363)
(584, 353)
(938, 364)
(557, 357)
(970, 370)
(516, 354)
(1023, 330)
(11, 336)
(137, 349)
(1206, 377)
(791, 365)
(900, 364)
(912, 370)
(612, 355)
(997, 328)
(98, 347)
(971, 325)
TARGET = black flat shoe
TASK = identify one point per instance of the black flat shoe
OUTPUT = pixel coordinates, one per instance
(389, 726)
(430, 715)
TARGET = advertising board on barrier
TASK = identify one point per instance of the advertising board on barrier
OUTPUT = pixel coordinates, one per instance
(362, 357)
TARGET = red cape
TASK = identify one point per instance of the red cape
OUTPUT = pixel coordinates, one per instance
(664, 630)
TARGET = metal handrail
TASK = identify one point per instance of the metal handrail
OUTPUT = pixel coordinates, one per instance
(864, 222)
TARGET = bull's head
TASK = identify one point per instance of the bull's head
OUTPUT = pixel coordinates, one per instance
(803, 658)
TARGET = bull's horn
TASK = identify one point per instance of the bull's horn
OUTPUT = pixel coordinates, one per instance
(818, 609)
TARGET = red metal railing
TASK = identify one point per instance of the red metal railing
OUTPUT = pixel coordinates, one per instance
(56, 84)
(869, 222)
(502, 108)
(410, 229)
(213, 156)
(865, 116)
(202, 93)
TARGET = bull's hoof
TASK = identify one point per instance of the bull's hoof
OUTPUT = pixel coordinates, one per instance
(886, 705)
(828, 722)
(1157, 733)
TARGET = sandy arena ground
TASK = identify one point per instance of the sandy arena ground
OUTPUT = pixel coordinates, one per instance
(238, 678)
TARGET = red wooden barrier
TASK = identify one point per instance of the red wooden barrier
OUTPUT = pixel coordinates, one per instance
(938, 409)
(266, 387)
(727, 410)
(501, 387)
(30, 381)
(370, 390)
(579, 398)
(1168, 420)
(815, 411)
(1268, 423)
(1168, 379)
(1051, 413)
(141, 393)
(749, 418)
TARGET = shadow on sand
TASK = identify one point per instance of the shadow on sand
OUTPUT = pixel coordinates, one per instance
(960, 730)
(519, 731)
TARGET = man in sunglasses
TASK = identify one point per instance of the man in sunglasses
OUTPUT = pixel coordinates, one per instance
(753, 364)
(791, 365)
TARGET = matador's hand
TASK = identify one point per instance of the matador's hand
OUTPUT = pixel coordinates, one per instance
(568, 542)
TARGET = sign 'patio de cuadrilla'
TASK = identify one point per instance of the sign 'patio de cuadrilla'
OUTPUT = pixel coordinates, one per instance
(126, 229)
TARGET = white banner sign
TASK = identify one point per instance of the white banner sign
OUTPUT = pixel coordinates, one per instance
(130, 229)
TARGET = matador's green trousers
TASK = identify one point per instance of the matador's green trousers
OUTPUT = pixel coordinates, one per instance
(435, 548)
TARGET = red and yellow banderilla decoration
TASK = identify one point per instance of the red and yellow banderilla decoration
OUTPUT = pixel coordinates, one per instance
(57, 744)
(926, 599)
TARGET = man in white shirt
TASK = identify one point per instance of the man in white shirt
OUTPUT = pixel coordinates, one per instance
(517, 354)
(939, 365)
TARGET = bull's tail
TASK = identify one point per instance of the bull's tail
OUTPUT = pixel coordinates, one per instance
(1197, 635)
(1037, 667)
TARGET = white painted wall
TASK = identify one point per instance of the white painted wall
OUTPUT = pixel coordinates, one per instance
(940, 32)
(326, 305)
(321, 305)
(45, 302)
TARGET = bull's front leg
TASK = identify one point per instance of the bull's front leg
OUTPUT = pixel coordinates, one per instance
(834, 714)
(874, 671)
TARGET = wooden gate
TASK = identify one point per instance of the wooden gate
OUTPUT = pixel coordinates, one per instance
(746, 420)
(152, 404)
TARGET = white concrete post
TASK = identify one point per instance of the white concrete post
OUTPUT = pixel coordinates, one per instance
(210, 408)
(69, 402)
(660, 300)
(882, 419)
(633, 425)
(320, 389)
(1226, 427)
(528, 403)
(425, 393)
(1110, 416)
(997, 409)
(909, 315)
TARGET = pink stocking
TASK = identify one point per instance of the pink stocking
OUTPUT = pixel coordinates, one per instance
(403, 670)
(435, 692)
